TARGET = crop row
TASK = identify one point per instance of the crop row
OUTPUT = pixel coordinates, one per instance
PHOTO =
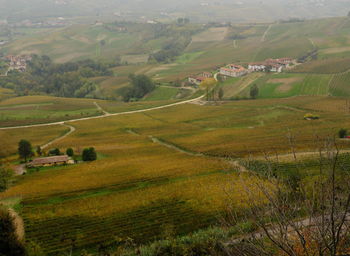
(138, 225)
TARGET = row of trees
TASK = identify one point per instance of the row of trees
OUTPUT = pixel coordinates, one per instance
(25, 151)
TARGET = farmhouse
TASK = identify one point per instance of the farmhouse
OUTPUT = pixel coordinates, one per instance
(233, 70)
(197, 80)
(50, 161)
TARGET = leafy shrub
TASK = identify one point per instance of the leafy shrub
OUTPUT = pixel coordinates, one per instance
(70, 152)
(343, 133)
(89, 154)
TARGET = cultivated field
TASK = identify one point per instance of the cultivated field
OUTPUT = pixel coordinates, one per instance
(44, 109)
(161, 171)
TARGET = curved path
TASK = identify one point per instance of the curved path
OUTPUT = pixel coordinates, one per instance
(263, 38)
(72, 129)
(106, 114)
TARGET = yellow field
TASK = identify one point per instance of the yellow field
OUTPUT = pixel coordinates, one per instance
(139, 188)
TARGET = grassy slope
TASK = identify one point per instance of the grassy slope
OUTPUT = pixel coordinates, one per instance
(122, 194)
(44, 109)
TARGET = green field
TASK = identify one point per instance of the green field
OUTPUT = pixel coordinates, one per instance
(287, 85)
(44, 109)
(168, 93)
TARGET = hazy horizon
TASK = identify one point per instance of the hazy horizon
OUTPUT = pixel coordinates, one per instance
(196, 10)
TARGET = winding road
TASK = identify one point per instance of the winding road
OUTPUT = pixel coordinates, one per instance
(106, 114)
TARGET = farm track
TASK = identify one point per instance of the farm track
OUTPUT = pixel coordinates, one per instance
(263, 38)
(105, 115)
(71, 130)
(234, 163)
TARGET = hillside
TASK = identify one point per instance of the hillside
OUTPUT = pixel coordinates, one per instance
(172, 165)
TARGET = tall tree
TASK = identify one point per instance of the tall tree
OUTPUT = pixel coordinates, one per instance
(25, 149)
(208, 85)
(254, 91)
(221, 94)
(89, 154)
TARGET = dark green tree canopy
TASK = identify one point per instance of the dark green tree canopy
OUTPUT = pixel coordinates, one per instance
(55, 152)
(140, 86)
(343, 133)
(89, 154)
(254, 91)
(70, 152)
(25, 149)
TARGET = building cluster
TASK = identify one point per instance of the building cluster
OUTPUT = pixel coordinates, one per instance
(269, 65)
(198, 79)
(18, 63)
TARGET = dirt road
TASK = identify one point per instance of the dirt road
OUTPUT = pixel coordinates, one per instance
(105, 115)
(71, 130)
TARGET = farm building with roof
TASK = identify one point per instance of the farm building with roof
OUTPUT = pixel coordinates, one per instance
(50, 161)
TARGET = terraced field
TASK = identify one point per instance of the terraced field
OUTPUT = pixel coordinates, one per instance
(288, 85)
(141, 188)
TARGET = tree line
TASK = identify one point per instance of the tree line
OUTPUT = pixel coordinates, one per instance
(63, 80)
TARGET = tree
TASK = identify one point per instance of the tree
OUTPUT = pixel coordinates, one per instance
(25, 149)
(221, 94)
(38, 151)
(89, 154)
(140, 86)
(343, 133)
(323, 200)
(70, 152)
(254, 91)
(208, 85)
(9, 240)
(55, 152)
(5, 177)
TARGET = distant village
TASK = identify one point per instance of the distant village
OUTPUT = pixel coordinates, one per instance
(234, 70)
(18, 63)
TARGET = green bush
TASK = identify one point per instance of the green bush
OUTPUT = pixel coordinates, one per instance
(343, 133)
(70, 152)
(89, 154)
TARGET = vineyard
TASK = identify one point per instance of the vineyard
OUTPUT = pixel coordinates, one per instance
(142, 189)
(324, 66)
(340, 84)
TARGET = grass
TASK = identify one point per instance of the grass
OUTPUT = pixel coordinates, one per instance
(43, 109)
(324, 66)
(168, 93)
(288, 85)
(37, 136)
(339, 84)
